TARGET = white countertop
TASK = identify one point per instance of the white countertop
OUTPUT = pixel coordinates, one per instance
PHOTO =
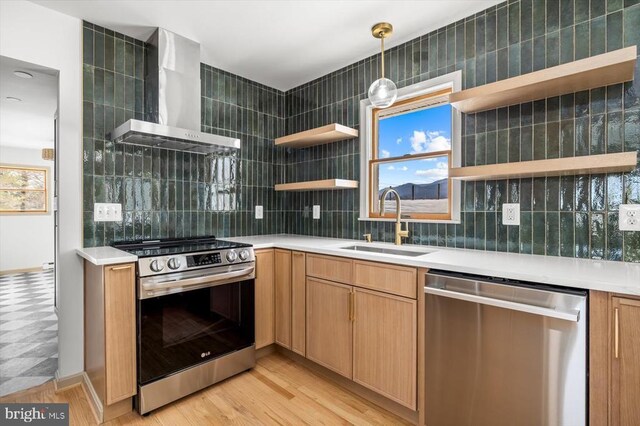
(105, 255)
(615, 277)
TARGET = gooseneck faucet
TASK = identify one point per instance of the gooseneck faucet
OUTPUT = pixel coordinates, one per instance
(400, 233)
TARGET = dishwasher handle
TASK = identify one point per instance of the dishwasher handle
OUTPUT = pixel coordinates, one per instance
(572, 315)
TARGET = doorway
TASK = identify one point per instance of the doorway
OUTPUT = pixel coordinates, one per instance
(28, 138)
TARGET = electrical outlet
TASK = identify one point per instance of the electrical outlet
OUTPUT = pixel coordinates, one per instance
(316, 212)
(259, 212)
(511, 214)
(107, 212)
(629, 217)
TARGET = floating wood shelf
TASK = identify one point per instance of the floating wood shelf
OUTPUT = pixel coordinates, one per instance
(589, 73)
(318, 185)
(318, 136)
(603, 163)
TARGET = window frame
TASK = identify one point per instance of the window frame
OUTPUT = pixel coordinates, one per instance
(21, 167)
(429, 89)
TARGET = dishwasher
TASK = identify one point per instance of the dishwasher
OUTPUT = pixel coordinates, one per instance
(504, 353)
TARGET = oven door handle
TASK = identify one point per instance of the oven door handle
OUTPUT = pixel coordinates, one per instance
(189, 282)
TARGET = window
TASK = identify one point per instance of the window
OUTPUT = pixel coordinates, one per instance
(23, 190)
(410, 147)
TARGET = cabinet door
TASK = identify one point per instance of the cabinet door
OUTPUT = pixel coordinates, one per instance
(385, 345)
(265, 329)
(298, 285)
(283, 298)
(120, 332)
(625, 367)
(329, 328)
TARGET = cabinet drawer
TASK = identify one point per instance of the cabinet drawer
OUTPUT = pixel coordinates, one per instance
(330, 268)
(399, 280)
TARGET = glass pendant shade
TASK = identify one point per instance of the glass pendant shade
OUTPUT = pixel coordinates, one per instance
(382, 93)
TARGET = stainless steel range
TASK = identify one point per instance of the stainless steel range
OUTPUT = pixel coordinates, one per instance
(195, 315)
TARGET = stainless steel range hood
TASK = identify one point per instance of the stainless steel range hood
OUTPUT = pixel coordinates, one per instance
(172, 100)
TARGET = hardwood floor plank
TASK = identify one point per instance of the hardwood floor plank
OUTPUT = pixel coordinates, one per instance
(278, 391)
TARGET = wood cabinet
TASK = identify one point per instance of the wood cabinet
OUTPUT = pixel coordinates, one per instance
(625, 362)
(329, 328)
(120, 332)
(110, 338)
(338, 269)
(395, 279)
(283, 297)
(264, 298)
(614, 360)
(298, 303)
(366, 335)
(385, 345)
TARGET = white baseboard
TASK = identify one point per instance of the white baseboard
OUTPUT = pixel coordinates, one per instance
(61, 383)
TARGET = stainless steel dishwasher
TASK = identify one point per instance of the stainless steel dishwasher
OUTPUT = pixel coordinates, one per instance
(504, 353)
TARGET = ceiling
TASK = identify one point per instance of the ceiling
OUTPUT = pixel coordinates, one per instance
(281, 43)
(27, 124)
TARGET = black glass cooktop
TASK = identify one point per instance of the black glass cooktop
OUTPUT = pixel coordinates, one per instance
(169, 246)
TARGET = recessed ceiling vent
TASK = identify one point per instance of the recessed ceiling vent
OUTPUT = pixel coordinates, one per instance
(172, 100)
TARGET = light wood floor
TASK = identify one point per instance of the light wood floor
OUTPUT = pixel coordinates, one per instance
(277, 391)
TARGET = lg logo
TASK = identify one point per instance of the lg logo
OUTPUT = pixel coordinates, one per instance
(205, 354)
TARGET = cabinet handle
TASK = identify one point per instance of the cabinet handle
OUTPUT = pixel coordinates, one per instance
(350, 305)
(616, 332)
(354, 305)
(121, 268)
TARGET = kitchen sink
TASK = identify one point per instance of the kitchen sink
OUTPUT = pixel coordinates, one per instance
(384, 250)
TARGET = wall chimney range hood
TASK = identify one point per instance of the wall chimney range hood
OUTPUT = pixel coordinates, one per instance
(172, 100)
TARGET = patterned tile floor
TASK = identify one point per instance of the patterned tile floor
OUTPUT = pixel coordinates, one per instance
(28, 331)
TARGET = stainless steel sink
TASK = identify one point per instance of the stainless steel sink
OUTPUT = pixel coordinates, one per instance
(384, 250)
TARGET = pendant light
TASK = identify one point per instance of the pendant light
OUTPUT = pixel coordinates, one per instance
(382, 92)
(48, 154)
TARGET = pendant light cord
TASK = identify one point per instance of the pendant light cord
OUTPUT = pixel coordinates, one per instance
(382, 55)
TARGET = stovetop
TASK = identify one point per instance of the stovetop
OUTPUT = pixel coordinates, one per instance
(169, 246)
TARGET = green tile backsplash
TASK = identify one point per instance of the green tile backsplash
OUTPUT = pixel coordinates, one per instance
(572, 216)
(168, 193)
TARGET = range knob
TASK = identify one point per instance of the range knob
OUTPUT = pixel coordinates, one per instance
(244, 254)
(157, 265)
(232, 256)
(174, 263)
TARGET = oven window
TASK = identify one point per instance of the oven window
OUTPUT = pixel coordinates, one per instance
(181, 330)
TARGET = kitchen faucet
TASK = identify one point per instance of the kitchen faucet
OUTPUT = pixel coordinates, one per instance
(399, 232)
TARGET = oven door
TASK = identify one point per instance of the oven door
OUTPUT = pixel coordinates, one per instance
(195, 320)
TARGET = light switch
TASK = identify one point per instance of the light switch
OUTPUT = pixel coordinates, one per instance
(107, 212)
(511, 214)
(316, 212)
(259, 212)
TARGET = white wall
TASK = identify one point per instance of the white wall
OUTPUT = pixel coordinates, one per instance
(27, 240)
(35, 34)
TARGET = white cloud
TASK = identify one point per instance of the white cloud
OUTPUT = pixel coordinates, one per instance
(422, 141)
(391, 168)
(431, 175)
(399, 141)
(418, 141)
(404, 168)
(384, 153)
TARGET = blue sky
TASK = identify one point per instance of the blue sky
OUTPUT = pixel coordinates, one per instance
(427, 130)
